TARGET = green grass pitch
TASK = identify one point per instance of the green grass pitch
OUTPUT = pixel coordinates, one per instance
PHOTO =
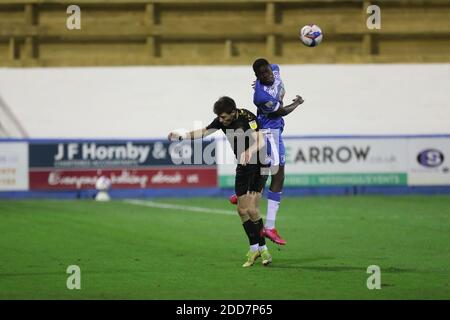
(127, 251)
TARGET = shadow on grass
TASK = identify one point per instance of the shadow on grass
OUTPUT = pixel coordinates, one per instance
(351, 268)
(300, 265)
(296, 263)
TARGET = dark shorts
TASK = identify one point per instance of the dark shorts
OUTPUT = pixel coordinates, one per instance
(249, 178)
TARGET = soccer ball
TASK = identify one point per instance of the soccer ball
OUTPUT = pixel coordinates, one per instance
(311, 35)
(103, 183)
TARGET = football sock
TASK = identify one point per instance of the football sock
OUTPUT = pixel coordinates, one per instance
(250, 230)
(259, 226)
(261, 248)
(273, 203)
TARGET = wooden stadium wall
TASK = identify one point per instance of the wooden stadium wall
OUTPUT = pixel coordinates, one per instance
(171, 32)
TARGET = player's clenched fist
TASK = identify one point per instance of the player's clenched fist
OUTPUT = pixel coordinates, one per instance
(176, 135)
(298, 100)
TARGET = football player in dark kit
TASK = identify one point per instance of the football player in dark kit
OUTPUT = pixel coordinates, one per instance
(241, 128)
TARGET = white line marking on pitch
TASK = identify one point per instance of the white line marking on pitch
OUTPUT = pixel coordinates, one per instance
(152, 204)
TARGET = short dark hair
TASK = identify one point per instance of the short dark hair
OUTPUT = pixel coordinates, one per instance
(224, 104)
(259, 63)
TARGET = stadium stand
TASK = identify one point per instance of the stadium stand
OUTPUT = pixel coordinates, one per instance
(154, 32)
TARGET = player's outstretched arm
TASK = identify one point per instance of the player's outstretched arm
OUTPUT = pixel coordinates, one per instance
(284, 111)
(191, 135)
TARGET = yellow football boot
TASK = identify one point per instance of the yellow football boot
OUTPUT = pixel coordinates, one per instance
(251, 258)
(266, 257)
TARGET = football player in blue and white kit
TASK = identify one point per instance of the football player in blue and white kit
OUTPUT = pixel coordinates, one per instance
(268, 98)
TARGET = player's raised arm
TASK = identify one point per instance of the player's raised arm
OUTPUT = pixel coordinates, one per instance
(177, 135)
(284, 111)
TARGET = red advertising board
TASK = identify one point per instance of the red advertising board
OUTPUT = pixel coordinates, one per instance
(166, 177)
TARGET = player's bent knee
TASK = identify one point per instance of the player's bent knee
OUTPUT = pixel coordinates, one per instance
(243, 215)
(277, 183)
(254, 214)
(242, 211)
(252, 209)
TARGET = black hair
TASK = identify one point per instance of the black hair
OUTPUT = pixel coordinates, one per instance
(224, 105)
(259, 63)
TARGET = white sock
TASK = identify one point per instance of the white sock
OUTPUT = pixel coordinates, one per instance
(254, 247)
(261, 248)
(272, 209)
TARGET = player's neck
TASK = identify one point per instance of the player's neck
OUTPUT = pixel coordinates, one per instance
(267, 84)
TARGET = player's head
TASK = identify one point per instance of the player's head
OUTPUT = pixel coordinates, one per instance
(263, 71)
(225, 108)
